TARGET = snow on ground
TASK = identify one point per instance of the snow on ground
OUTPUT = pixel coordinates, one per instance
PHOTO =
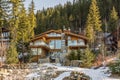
(61, 76)
(32, 75)
(46, 71)
(110, 79)
(95, 74)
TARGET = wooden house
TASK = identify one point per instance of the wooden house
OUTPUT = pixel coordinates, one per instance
(56, 42)
(112, 41)
(4, 43)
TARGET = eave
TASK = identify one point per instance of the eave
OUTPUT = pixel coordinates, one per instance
(77, 35)
(56, 31)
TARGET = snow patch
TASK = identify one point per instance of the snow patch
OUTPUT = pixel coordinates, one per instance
(63, 75)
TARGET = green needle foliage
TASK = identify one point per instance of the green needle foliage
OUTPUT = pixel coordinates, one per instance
(12, 55)
(32, 19)
(113, 20)
(93, 23)
(87, 58)
(14, 23)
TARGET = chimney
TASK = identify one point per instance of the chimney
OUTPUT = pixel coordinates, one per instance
(79, 30)
(69, 29)
(66, 30)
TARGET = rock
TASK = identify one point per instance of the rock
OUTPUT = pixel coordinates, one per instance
(75, 63)
(66, 62)
(57, 60)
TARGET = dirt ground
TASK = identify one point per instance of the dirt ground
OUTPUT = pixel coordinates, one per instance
(115, 76)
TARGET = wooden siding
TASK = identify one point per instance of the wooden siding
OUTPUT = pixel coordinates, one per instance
(46, 38)
(40, 46)
(77, 47)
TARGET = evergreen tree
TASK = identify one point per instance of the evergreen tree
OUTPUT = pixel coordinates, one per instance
(94, 16)
(115, 67)
(14, 22)
(24, 23)
(72, 55)
(1, 13)
(89, 30)
(12, 55)
(4, 9)
(93, 20)
(73, 15)
(32, 20)
(79, 54)
(113, 20)
(87, 58)
(40, 22)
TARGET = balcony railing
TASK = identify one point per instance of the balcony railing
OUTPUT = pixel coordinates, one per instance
(77, 44)
(39, 44)
(7, 39)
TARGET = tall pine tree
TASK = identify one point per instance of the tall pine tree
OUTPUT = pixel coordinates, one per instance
(32, 19)
(12, 55)
(87, 58)
(113, 20)
(4, 9)
(23, 35)
(89, 30)
(93, 24)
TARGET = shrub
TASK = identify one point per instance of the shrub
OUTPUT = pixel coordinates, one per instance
(87, 58)
(72, 56)
(115, 67)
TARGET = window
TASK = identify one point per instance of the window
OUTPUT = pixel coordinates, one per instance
(55, 44)
(63, 43)
(53, 34)
(58, 34)
(39, 51)
(69, 38)
(37, 42)
(81, 42)
(34, 51)
(52, 44)
(58, 44)
(72, 42)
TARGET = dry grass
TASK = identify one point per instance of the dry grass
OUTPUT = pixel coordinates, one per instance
(115, 76)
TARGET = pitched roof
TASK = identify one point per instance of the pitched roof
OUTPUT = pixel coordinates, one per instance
(77, 35)
(58, 31)
(44, 34)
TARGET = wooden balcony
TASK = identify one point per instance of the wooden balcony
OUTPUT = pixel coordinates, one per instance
(77, 47)
(55, 50)
(40, 46)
